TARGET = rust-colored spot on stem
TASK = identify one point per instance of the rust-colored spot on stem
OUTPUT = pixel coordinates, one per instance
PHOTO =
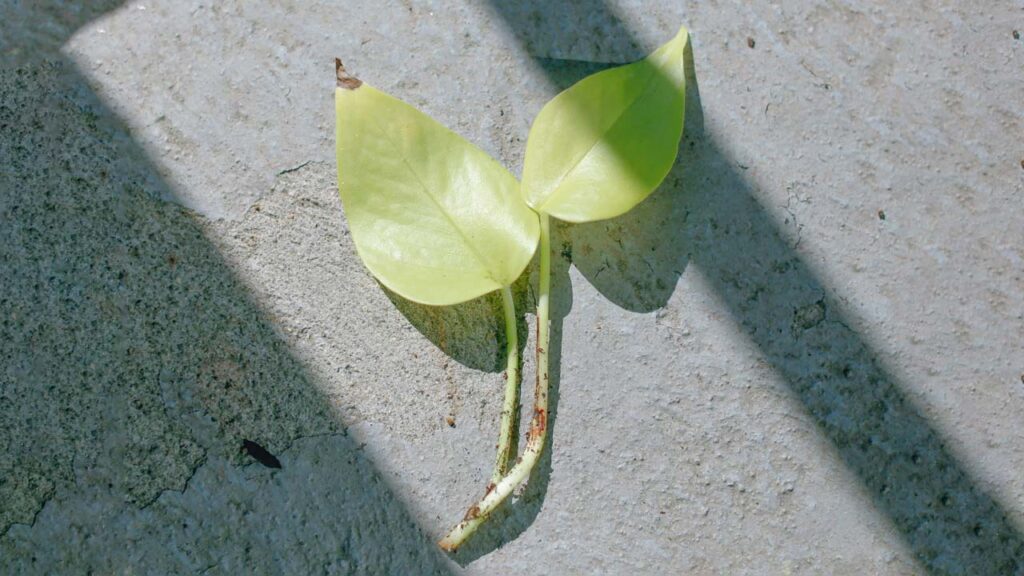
(471, 513)
(346, 81)
(538, 424)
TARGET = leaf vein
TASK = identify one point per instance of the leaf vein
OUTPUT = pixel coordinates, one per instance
(647, 86)
(426, 190)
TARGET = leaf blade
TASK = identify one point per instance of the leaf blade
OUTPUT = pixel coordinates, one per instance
(433, 217)
(604, 144)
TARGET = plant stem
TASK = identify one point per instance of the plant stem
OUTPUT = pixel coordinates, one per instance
(510, 409)
(535, 438)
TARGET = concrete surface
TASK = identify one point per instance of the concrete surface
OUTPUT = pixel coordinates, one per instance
(802, 355)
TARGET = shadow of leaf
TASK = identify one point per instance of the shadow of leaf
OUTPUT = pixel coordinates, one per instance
(635, 260)
(472, 333)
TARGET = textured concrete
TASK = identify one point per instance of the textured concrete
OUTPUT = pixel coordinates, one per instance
(802, 355)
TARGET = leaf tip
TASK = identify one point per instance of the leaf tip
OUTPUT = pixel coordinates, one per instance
(346, 81)
(683, 34)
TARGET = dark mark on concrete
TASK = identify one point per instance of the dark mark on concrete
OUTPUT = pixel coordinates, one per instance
(809, 316)
(260, 454)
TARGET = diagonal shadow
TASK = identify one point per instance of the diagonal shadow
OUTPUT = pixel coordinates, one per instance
(948, 522)
(132, 355)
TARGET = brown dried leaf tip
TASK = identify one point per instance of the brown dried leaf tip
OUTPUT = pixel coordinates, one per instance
(346, 81)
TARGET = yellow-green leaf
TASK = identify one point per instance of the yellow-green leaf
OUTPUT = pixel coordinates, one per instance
(604, 144)
(433, 217)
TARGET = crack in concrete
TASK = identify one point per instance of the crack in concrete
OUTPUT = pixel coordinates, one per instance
(51, 494)
(294, 168)
(35, 515)
(192, 474)
(205, 460)
(796, 225)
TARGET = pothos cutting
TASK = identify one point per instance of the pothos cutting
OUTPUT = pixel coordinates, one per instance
(439, 222)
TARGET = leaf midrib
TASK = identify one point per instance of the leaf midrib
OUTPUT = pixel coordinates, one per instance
(618, 118)
(426, 191)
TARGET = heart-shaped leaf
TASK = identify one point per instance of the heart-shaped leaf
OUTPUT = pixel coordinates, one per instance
(604, 144)
(433, 217)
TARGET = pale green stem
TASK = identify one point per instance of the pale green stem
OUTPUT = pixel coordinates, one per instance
(537, 435)
(506, 446)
